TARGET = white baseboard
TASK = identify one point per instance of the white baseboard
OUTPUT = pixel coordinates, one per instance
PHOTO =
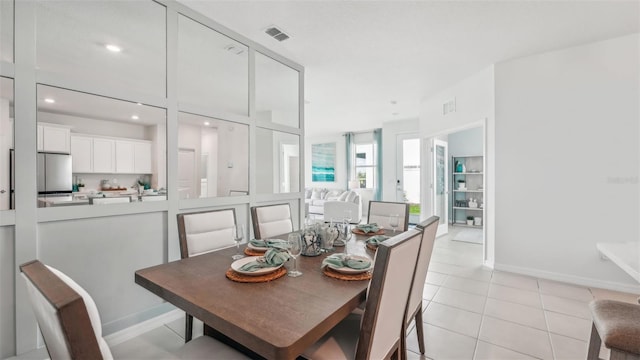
(571, 279)
(141, 328)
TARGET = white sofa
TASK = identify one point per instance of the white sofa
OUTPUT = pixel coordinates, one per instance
(333, 203)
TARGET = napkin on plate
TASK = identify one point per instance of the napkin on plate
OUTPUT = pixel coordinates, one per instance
(271, 258)
(343, 260)
(377, 239)
(270, 243)
(367, 228)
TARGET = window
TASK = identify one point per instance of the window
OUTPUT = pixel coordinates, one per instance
(365, 165)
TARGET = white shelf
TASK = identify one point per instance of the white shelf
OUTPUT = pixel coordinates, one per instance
(626, 255)
(469, 191)
(467, 208)
(467, 173)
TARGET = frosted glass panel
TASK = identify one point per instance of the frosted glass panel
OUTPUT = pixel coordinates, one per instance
(213, 157)
(277, 93)
(277, 162)
(119, 44)
(6, 30)
(213, 69)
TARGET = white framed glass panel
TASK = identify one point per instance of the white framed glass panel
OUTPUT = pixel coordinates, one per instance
(277, 162)
(213, 157)
(7, 165)
(118, 44)
(213, 69)
(94, 150)
(277, 92)
(6, 30)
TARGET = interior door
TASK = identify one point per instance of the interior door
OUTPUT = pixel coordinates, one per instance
(186, 174)
(440, 187)
(408, 174)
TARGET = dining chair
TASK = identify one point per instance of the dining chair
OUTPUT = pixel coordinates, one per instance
(379, 212)
(203, 232)
(617, 324)
(271, 220)
(376, 334)
(70, 323)
(429, 229)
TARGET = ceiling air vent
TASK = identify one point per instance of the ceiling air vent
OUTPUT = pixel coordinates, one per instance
(276, 33)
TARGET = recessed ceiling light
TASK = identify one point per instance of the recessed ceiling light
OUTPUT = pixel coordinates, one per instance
(206, 123)
(135, 117)
(395, 113)
(393, 102)
(113, 48)
(49, 100)
(139, 104)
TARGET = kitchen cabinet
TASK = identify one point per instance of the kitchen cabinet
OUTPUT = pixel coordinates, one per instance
(82, 154)
(125, 157)
(104, 155)
(54, 138)
(142, 158)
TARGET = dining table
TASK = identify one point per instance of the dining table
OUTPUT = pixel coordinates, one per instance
(277, 319)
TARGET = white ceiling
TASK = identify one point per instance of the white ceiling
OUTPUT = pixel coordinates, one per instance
(361, 55)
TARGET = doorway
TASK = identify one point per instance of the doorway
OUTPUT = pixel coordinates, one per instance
(408, 174)
(186, 174)
(439, 188)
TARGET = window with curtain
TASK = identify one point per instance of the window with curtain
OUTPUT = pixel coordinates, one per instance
(365, 165)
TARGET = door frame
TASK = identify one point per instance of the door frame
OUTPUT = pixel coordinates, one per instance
(399, 159)
(443, 227)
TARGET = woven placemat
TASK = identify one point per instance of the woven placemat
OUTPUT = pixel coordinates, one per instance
(372, 247)
(360, 232)
(251, 252)
(232, 275)
(349, 277)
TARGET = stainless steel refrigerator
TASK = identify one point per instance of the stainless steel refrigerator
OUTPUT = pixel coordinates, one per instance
(54, 173)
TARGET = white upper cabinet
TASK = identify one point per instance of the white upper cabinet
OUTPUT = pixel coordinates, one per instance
(142, 158)
(54, 139)
(104, 155)
(124, 156)
(82, 154)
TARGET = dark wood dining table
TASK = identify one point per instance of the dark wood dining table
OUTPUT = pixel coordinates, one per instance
(278, 319)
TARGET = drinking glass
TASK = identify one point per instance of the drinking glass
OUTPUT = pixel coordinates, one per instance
(238, 235)
(345, 235)
(394, 221)
(295, 247)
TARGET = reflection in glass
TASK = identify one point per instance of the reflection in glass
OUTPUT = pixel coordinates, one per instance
(98, 150)
(213, 157)
(277, 97)
(119, 44)
(6, 30)
(213, 69)
(277, 162)
(7, 182)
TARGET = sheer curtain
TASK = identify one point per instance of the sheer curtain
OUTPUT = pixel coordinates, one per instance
(377, 138)
(348, 138)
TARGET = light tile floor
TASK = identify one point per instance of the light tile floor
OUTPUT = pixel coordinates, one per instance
(470, 313)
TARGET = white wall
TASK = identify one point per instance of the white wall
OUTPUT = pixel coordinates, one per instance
(233, 147)
(341, 162)
(390, 132)
(7, 295)
(474, 98)
(567, 160)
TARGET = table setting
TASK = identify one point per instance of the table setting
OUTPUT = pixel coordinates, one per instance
(368, 229)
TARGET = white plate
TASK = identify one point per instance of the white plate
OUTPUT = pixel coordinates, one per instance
(236, 265)
(348, 270)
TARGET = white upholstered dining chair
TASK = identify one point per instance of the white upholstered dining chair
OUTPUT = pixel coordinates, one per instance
(201, 233)
(379, 212)
(271, 220)
(70, 323)
(376, 334)
(429, 228)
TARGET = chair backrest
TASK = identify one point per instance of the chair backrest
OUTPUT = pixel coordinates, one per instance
(379, 212)
(388, 295)
(66, 314)
(271, 220)
(205, 231)
(429, 228)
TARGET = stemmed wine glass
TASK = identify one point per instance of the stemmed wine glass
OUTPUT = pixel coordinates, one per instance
(238, 235)
(295, 248)
(394, 221)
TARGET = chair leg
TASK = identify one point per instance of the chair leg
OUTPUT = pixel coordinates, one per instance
(594, 344)
(188, 328)
(420, 329)
(621, 355)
